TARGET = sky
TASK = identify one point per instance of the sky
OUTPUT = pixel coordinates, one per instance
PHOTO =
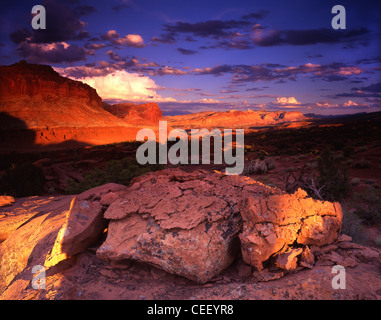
(193, 56)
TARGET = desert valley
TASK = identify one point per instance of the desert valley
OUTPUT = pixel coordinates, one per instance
(75, 202)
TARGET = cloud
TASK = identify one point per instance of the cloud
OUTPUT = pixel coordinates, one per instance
(113, 56)
(350, 103)
(285, 103)
(210, 28)
(55, 52)
(121, 85)
(264, 37)
(186, 51)
(346, 105)
(120, 7)
(94, 46)
(374, 88)
(256, 15)
(116, 85)
(168, 71)
(83, 10)
(63, 21)
(371, 91)
(286, 100)
(51, 45)
(129, 40)
(167, 38)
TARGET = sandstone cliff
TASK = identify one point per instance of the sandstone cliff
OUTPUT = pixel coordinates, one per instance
(129, 112)
(38, 106)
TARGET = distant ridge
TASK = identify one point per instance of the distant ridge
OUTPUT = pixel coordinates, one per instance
(235, 119)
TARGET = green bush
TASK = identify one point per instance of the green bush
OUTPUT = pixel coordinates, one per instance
(332, 177)
(22, 180)
(369, 204)
(117, 171)
(353, 227)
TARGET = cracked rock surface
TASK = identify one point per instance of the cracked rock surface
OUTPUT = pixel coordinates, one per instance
(190, 224)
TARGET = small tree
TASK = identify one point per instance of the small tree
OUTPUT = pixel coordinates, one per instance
(328, 181)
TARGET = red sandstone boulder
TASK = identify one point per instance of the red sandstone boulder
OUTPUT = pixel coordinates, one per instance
(272, 224)
(180, 222)
(188, 223)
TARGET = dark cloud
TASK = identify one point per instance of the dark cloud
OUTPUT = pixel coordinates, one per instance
(270, 38)
(371, 91)
(280, 73)
(83, 10)
(51, 53)
(373, 88)
(256, 15)
(168, 38)
(211, 28)
(120, 7)
(113, 56)
(20, 35)
(369, 60)
(186, 52)
(234, 43)
(357, 95)
(94, 46)
(63, 24)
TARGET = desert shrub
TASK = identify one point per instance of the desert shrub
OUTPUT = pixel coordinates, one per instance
(362, 164)
(332, 179)
(355, 181)
(328, 181)
(117, 171)
(21, 180)
(270, 163)
(255, 167)
(353, 227)
(368, 208)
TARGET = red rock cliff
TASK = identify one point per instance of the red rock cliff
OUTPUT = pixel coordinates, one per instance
(131, 112)
(38, 106)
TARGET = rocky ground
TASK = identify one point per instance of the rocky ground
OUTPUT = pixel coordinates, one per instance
(66, 234)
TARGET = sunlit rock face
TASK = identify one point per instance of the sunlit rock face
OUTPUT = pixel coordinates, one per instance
(189, 223)
(48, 230)
(38, 106)
(143, 113)
(236, 119)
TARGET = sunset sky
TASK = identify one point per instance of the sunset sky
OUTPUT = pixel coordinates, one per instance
(191, 56)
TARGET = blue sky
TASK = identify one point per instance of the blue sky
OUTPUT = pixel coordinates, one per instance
(191, 56)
